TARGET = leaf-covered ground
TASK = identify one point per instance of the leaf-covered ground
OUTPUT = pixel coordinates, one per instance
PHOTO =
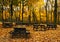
(36, 36)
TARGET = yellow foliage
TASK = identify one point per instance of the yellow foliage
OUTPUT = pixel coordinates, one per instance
(37, 5)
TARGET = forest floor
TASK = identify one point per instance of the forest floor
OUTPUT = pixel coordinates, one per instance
(36, 36)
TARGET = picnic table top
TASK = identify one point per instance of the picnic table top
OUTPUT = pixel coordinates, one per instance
(19, 26)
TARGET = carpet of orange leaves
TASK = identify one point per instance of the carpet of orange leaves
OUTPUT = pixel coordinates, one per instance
(36, 36)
